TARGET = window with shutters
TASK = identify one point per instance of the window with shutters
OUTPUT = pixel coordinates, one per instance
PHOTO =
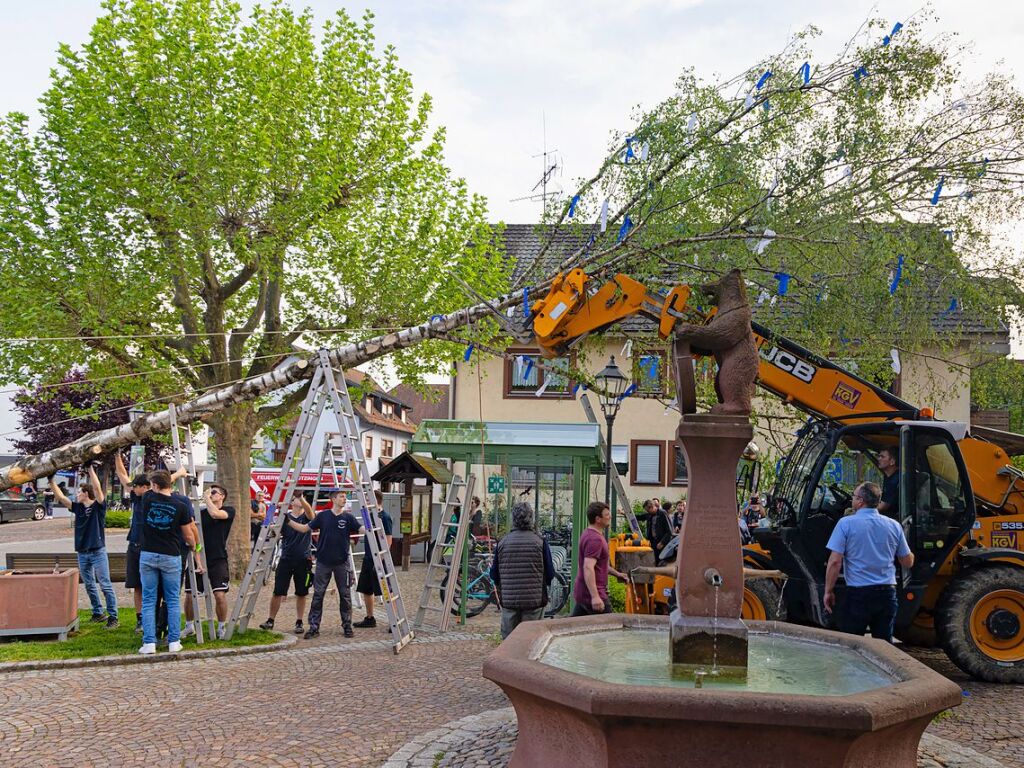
(677, 472)
(368, 446)
(647, 462)
(387, 448)
(524, 376)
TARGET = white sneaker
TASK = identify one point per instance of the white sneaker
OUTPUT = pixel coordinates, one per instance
(221, 631)
(189, 630)
(147, 648)
(174, 647)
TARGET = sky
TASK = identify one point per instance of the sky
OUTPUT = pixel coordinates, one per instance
(511, 79)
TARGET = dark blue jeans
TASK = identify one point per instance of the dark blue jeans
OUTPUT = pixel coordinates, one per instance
(871, 608)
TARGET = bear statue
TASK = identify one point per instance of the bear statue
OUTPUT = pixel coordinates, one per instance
(728, 337)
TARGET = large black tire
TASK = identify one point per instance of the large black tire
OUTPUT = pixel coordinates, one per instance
(980, 623)
(761, 601)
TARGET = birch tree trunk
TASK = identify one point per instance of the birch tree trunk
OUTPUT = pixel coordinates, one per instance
(95, 444)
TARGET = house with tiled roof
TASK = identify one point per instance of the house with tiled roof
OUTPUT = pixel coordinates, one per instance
(643, 441)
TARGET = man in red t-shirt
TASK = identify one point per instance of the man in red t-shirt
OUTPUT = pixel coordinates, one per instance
(591, 589)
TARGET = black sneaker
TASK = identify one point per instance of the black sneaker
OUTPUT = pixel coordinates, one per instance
(268, 624)
(311, 633)
(298, 627)
(98, 618)
(112, 622)
(349, 632)
(368, 622)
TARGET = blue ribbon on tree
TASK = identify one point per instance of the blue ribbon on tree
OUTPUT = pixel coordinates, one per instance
(629, 148)
(652, 367)
(938, 190)
(627, 224)
(783, 279)
(861, 73)
(984, 167)
(629, 391)
(572, 205)
(805, 72)
(896, 275)
(954, 305)
(529, 368)
(468, 354)
(948, 234)
(526, 302)
(764, 79)
(888, 38)
(436, 317)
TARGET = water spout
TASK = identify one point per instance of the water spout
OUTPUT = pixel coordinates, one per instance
(713, 577)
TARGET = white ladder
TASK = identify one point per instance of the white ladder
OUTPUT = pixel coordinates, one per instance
(341, 404)
(451, 540)
(191, 487)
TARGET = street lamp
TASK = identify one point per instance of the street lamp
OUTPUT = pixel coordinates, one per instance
(612, 384)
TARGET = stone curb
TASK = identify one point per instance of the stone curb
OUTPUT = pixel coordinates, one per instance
(157, 658)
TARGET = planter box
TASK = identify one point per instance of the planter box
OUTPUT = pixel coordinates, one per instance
(38, 603)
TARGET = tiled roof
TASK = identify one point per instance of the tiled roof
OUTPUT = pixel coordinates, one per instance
(523, 243)
(379, 420)
(422, 408)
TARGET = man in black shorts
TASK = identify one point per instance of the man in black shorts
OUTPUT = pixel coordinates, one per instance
(138, 487)
(369, 585)
(294, 565)
(216, 518)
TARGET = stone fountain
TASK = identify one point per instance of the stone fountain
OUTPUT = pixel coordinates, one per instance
(606, 691)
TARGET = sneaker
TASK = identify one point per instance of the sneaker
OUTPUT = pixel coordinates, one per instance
(268, 624)
(188, 631)
(147, 649)
(298, 627)
(367, 623)
(98, 618)
(222, 631)
(174, 647)
(311, 633)
(348, 631)
(112, 622)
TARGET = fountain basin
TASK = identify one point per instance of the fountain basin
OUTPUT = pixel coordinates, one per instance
(568, 716)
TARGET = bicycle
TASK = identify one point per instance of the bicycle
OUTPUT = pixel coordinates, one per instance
(479, 587)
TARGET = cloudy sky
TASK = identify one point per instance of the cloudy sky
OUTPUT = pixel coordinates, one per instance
(500, 71)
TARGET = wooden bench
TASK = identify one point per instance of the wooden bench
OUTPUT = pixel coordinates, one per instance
(43, 562)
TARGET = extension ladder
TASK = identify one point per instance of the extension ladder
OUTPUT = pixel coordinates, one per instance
(191, 487)
(443, 571)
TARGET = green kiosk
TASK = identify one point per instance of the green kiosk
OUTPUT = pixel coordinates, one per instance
(548, 465)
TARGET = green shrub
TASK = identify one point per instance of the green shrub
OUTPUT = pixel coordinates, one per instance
(118, 518)
(617, 595)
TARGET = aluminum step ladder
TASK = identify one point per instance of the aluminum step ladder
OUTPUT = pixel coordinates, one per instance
(394, 604)
(191, 487)
(613, 473)
(446, 558)
(262, 560)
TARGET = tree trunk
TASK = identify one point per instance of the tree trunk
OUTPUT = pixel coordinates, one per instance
(235, 429)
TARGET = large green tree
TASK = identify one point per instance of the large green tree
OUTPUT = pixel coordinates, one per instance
(206, 189)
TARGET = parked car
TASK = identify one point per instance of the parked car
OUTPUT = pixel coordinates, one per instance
(19, 509)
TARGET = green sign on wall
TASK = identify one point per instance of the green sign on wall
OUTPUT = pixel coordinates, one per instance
(495, 484)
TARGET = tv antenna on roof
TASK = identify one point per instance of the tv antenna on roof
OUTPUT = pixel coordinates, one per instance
(551, 167)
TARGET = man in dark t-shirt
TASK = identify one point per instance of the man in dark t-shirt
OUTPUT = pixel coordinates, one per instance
(216, 518)
(165, 523)
(336, 525)
(90, 513)
(369, 585)
(590, 592)
(889, 464)
(294, 565)
(137, 487)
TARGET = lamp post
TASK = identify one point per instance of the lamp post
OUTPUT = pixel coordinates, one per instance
(612, 384)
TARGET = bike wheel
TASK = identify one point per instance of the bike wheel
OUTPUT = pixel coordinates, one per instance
(480, 592)
(558, 596)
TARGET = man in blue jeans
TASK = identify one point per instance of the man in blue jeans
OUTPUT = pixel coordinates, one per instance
(163, 517)
(90, 543)
(866, 545)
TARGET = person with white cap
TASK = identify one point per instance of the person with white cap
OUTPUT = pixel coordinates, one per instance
(336, 526)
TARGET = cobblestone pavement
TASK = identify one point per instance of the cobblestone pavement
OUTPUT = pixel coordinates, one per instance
(486, 740)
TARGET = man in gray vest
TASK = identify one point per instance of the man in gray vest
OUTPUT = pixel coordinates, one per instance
(522, 571)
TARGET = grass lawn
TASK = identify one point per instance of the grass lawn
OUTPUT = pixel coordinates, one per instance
(96, 640)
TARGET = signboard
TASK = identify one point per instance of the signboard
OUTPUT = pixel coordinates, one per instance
(495, 484)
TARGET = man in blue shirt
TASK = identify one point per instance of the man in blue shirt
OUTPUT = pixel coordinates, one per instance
(336, 525)
(90, 543)
(138, 487)
(866, 545)
(368, 584)
(294, 565)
